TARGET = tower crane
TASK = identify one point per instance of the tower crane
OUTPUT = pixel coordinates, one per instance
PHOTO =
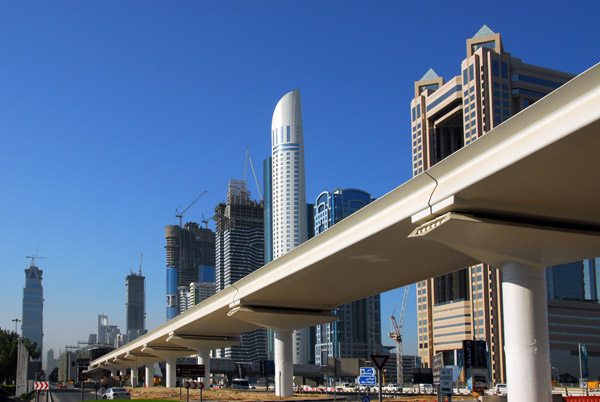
(35, 257)
(396, 335)
(249, 158)
(180, 214)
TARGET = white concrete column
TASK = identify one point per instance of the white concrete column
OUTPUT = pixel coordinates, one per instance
(134, 375)
(526, 340)
(284, 363)
(204, 358)
(170, 369)
(149, 375)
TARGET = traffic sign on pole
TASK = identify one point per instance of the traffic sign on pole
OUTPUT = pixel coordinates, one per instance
(193, 384)
(367, 371)
(367, 380)
(41, 385)
(379, 360)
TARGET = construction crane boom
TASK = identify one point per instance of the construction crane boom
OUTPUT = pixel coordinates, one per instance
(249, 158)
(35, 256)
(396, 335)
(180, 214)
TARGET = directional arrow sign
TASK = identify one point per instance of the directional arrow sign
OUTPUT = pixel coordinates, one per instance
(379, 360)
(367, 371)
(367, 380)
(193, 385)
(40, 385)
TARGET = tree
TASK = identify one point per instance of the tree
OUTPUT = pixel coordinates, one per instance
(9, 344)
(53, 376)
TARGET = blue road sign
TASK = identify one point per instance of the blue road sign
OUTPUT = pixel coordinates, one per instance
(367, 371)
(367, 380)
(366, 399)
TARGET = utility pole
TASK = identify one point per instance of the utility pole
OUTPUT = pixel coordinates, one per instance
(16, 321)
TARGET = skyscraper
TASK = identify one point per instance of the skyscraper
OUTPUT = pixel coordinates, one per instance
(289, 190)
(32, 326)
(239, 245)
(357, 332)
(573, 316)
(188, 248)
(136, 305)
(107, 334)
(493, 86)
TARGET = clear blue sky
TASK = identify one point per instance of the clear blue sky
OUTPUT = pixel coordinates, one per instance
(114, 113)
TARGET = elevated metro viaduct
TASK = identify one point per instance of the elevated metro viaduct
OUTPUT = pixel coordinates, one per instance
(522, 197)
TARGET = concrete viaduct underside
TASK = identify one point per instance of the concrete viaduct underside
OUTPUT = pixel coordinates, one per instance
(522, 197)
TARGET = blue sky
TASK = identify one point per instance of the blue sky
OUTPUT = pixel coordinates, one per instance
(114, 113)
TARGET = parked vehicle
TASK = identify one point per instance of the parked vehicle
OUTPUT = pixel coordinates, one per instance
(346, 387)
(501, 389)
(425, 389)
(116, 393)
(240, 383)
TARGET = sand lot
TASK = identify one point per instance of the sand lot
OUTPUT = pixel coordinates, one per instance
(240, 395)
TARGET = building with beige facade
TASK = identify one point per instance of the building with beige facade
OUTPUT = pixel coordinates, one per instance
(445, 116)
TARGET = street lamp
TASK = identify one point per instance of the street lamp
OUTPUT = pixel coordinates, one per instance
(16, 321)
(557, 375)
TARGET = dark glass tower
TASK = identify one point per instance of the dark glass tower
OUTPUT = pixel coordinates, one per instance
(33, 311)
(136, 305)
(357, 333)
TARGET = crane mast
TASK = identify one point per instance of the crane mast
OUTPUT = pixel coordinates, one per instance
(396, 335)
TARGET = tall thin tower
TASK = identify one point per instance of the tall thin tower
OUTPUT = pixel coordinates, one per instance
(136, 304)
(289, 189)
(33, 307)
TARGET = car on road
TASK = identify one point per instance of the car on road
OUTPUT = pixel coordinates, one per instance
(392, 388)
(116, 393)
(501, 389)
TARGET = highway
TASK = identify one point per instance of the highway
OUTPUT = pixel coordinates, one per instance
(71, 395)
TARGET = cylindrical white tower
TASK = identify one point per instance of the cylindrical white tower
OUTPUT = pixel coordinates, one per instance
(289, 189)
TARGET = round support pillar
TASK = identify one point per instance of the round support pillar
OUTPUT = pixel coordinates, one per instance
(284, 364)
(134, 376)
(149, 375)
(170, 369)
(204, 358)
(526, 340)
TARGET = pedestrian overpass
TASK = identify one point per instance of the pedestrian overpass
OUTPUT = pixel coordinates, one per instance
(522, 197)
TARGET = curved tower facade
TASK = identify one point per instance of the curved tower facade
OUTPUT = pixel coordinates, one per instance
(289, 191)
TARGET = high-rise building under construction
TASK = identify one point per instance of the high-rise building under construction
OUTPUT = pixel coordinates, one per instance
(240, 251)
(188, 249)
(136, 305)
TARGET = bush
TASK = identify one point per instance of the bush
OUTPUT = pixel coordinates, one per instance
(7, 389)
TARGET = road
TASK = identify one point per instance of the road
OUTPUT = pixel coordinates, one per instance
(71, 395)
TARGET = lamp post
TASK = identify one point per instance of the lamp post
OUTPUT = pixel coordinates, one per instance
(557, 375)
(16, 321)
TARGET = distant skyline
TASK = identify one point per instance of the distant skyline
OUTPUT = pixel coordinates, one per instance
(115, 113)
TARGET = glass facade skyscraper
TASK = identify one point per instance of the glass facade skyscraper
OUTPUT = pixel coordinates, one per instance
(32, 326)
(135, 305)
(357, 332)
(289, 191)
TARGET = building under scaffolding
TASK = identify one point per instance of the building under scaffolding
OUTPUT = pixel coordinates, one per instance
(240, 251)
(188, 249)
